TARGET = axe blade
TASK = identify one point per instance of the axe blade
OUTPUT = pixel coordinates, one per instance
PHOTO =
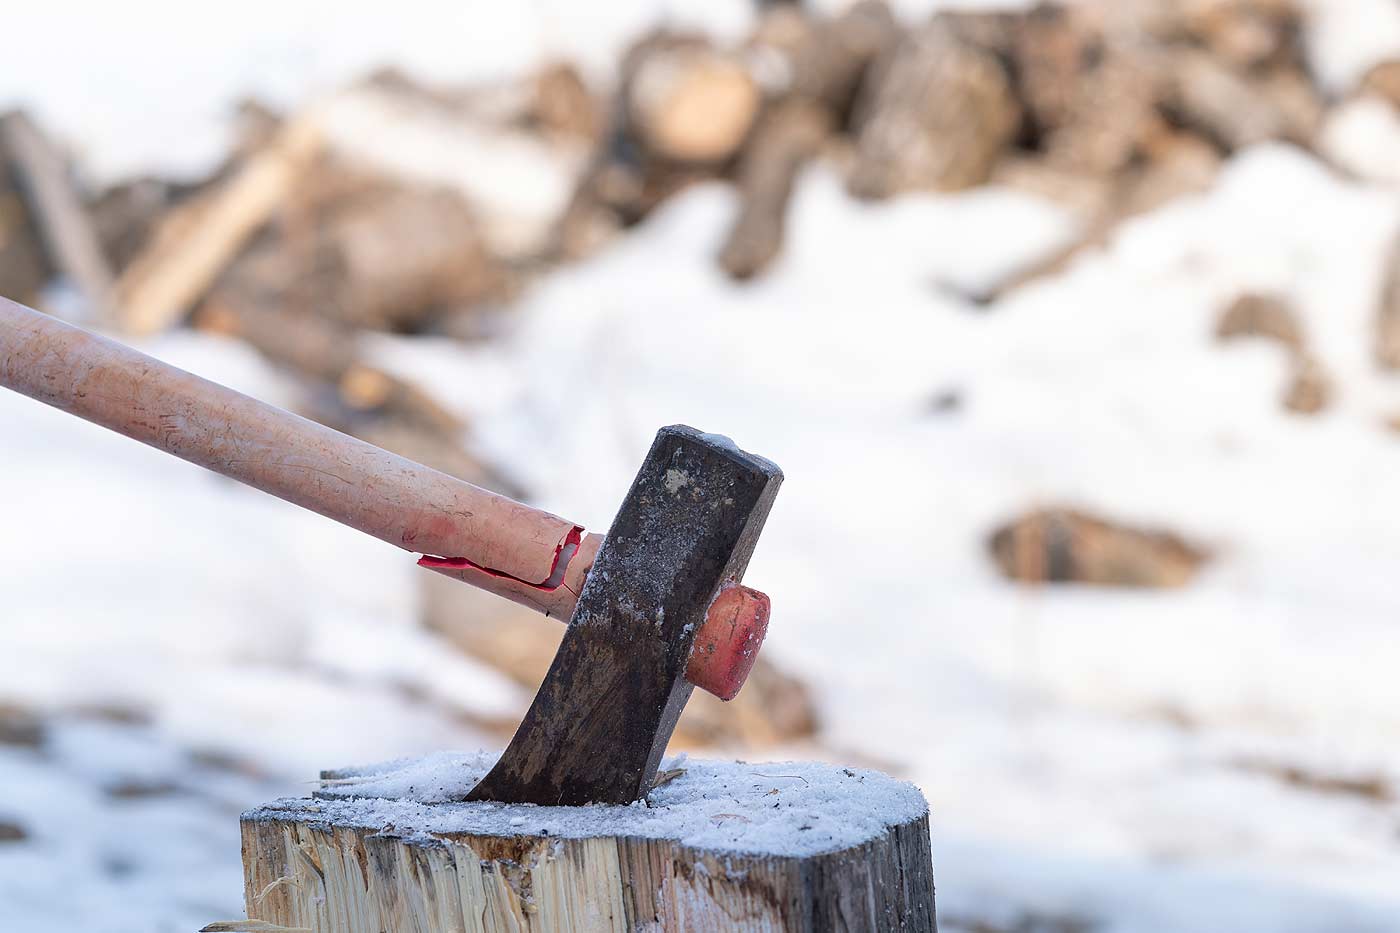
(600, 722)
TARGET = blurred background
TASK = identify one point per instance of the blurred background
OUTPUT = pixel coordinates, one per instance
(1075, 327)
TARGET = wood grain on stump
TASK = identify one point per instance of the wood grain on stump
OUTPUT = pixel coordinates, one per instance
(733, 846)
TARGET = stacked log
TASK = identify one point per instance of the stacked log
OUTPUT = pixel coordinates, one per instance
(936, 114)
(1116, 107)
(686, 101)
(783, 143)
(812, 71)
(389, 256)
(1063, 545)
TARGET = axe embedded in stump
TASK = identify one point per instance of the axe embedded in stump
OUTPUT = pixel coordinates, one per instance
(605, 712)
(656, 608)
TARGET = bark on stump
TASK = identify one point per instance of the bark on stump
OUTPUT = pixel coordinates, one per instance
(339, 865)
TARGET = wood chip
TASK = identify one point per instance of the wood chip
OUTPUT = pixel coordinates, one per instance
(666, 777)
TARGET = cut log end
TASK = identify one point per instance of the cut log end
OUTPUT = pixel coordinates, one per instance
(691, 103)
(719, 846)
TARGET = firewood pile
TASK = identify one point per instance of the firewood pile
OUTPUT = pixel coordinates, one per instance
(401, 208)
(395, 206)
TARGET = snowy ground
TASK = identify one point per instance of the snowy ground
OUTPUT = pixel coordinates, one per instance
(1071, 729)
(1125, 760)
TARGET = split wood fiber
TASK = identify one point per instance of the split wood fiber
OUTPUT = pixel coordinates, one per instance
(303, 869)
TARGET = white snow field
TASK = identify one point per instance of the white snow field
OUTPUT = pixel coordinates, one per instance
(1106, 760)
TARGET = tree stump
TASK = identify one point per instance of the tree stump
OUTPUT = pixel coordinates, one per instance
(714, 846)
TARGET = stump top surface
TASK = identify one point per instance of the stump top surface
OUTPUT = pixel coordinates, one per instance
(776, 809)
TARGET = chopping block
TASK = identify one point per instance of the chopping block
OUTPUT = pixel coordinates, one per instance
(720, 846)
(578, 826)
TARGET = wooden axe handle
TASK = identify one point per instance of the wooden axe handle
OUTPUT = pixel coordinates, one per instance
(520, 552)
(523, 554)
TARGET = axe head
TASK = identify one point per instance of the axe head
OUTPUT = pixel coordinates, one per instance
(597, 728)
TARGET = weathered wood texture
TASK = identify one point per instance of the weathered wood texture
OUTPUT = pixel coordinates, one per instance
(333, 877)
(601, 720)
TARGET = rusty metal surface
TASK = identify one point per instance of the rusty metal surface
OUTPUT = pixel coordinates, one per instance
(601, 720)
(394, 499)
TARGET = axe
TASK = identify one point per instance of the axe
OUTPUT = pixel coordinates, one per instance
(655, 607)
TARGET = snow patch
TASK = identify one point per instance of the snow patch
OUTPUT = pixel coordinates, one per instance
(789, 809)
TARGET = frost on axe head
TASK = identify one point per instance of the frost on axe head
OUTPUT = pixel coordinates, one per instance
(601, 720)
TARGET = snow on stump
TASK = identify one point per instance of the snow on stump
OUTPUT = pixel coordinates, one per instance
(715, 846)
